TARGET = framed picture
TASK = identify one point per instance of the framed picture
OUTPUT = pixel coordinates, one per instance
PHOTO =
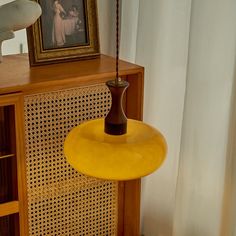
(67, 30)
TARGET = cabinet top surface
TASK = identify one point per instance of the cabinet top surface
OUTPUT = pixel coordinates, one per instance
(17, 76)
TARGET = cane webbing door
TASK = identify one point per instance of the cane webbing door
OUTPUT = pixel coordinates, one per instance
(62, 201)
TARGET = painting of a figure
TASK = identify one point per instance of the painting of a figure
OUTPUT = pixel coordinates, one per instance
(66, 31)
(63, 23)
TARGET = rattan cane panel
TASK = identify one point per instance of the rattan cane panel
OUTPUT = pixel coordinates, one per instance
(62, 201)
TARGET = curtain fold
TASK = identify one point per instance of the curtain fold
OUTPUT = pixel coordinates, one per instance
(203, 156)
(188, 51)
(129, 29)
(228, 217)
(162, 48)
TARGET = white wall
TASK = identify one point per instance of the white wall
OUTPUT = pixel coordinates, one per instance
(106, 13)
(13, 46)
(129, 30)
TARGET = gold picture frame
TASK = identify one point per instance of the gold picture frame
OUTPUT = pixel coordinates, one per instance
(66, 31)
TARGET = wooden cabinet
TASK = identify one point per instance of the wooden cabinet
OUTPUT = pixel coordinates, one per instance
(40, 193)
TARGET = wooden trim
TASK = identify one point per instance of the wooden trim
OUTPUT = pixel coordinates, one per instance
(121, 196)
(73, 82)
(9, 99)
(7, 156)
(129, 208)
(132, 208)
(132, 189)
(56, 76)
(11, 137)
(21, 167)
(134, 96)
(8, 103)
(17, 100)
(9, 208)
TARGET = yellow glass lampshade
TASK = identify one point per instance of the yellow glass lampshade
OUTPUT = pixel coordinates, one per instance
(115, 148)
(95, 153)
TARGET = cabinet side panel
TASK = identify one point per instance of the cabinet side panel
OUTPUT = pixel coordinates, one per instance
(62, 201)
(132, 189)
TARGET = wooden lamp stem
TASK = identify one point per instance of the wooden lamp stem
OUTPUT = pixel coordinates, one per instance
(116, 120)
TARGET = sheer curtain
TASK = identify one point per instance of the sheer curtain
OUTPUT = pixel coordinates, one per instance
(210, 77)
(188, 50)
(161, 47)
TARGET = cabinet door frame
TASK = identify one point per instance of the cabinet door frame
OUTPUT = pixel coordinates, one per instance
(16, 100)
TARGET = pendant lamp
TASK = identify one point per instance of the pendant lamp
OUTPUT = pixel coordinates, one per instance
(115, 148)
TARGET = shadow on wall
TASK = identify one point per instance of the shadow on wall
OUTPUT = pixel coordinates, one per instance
(151, 222)
(228, 226)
